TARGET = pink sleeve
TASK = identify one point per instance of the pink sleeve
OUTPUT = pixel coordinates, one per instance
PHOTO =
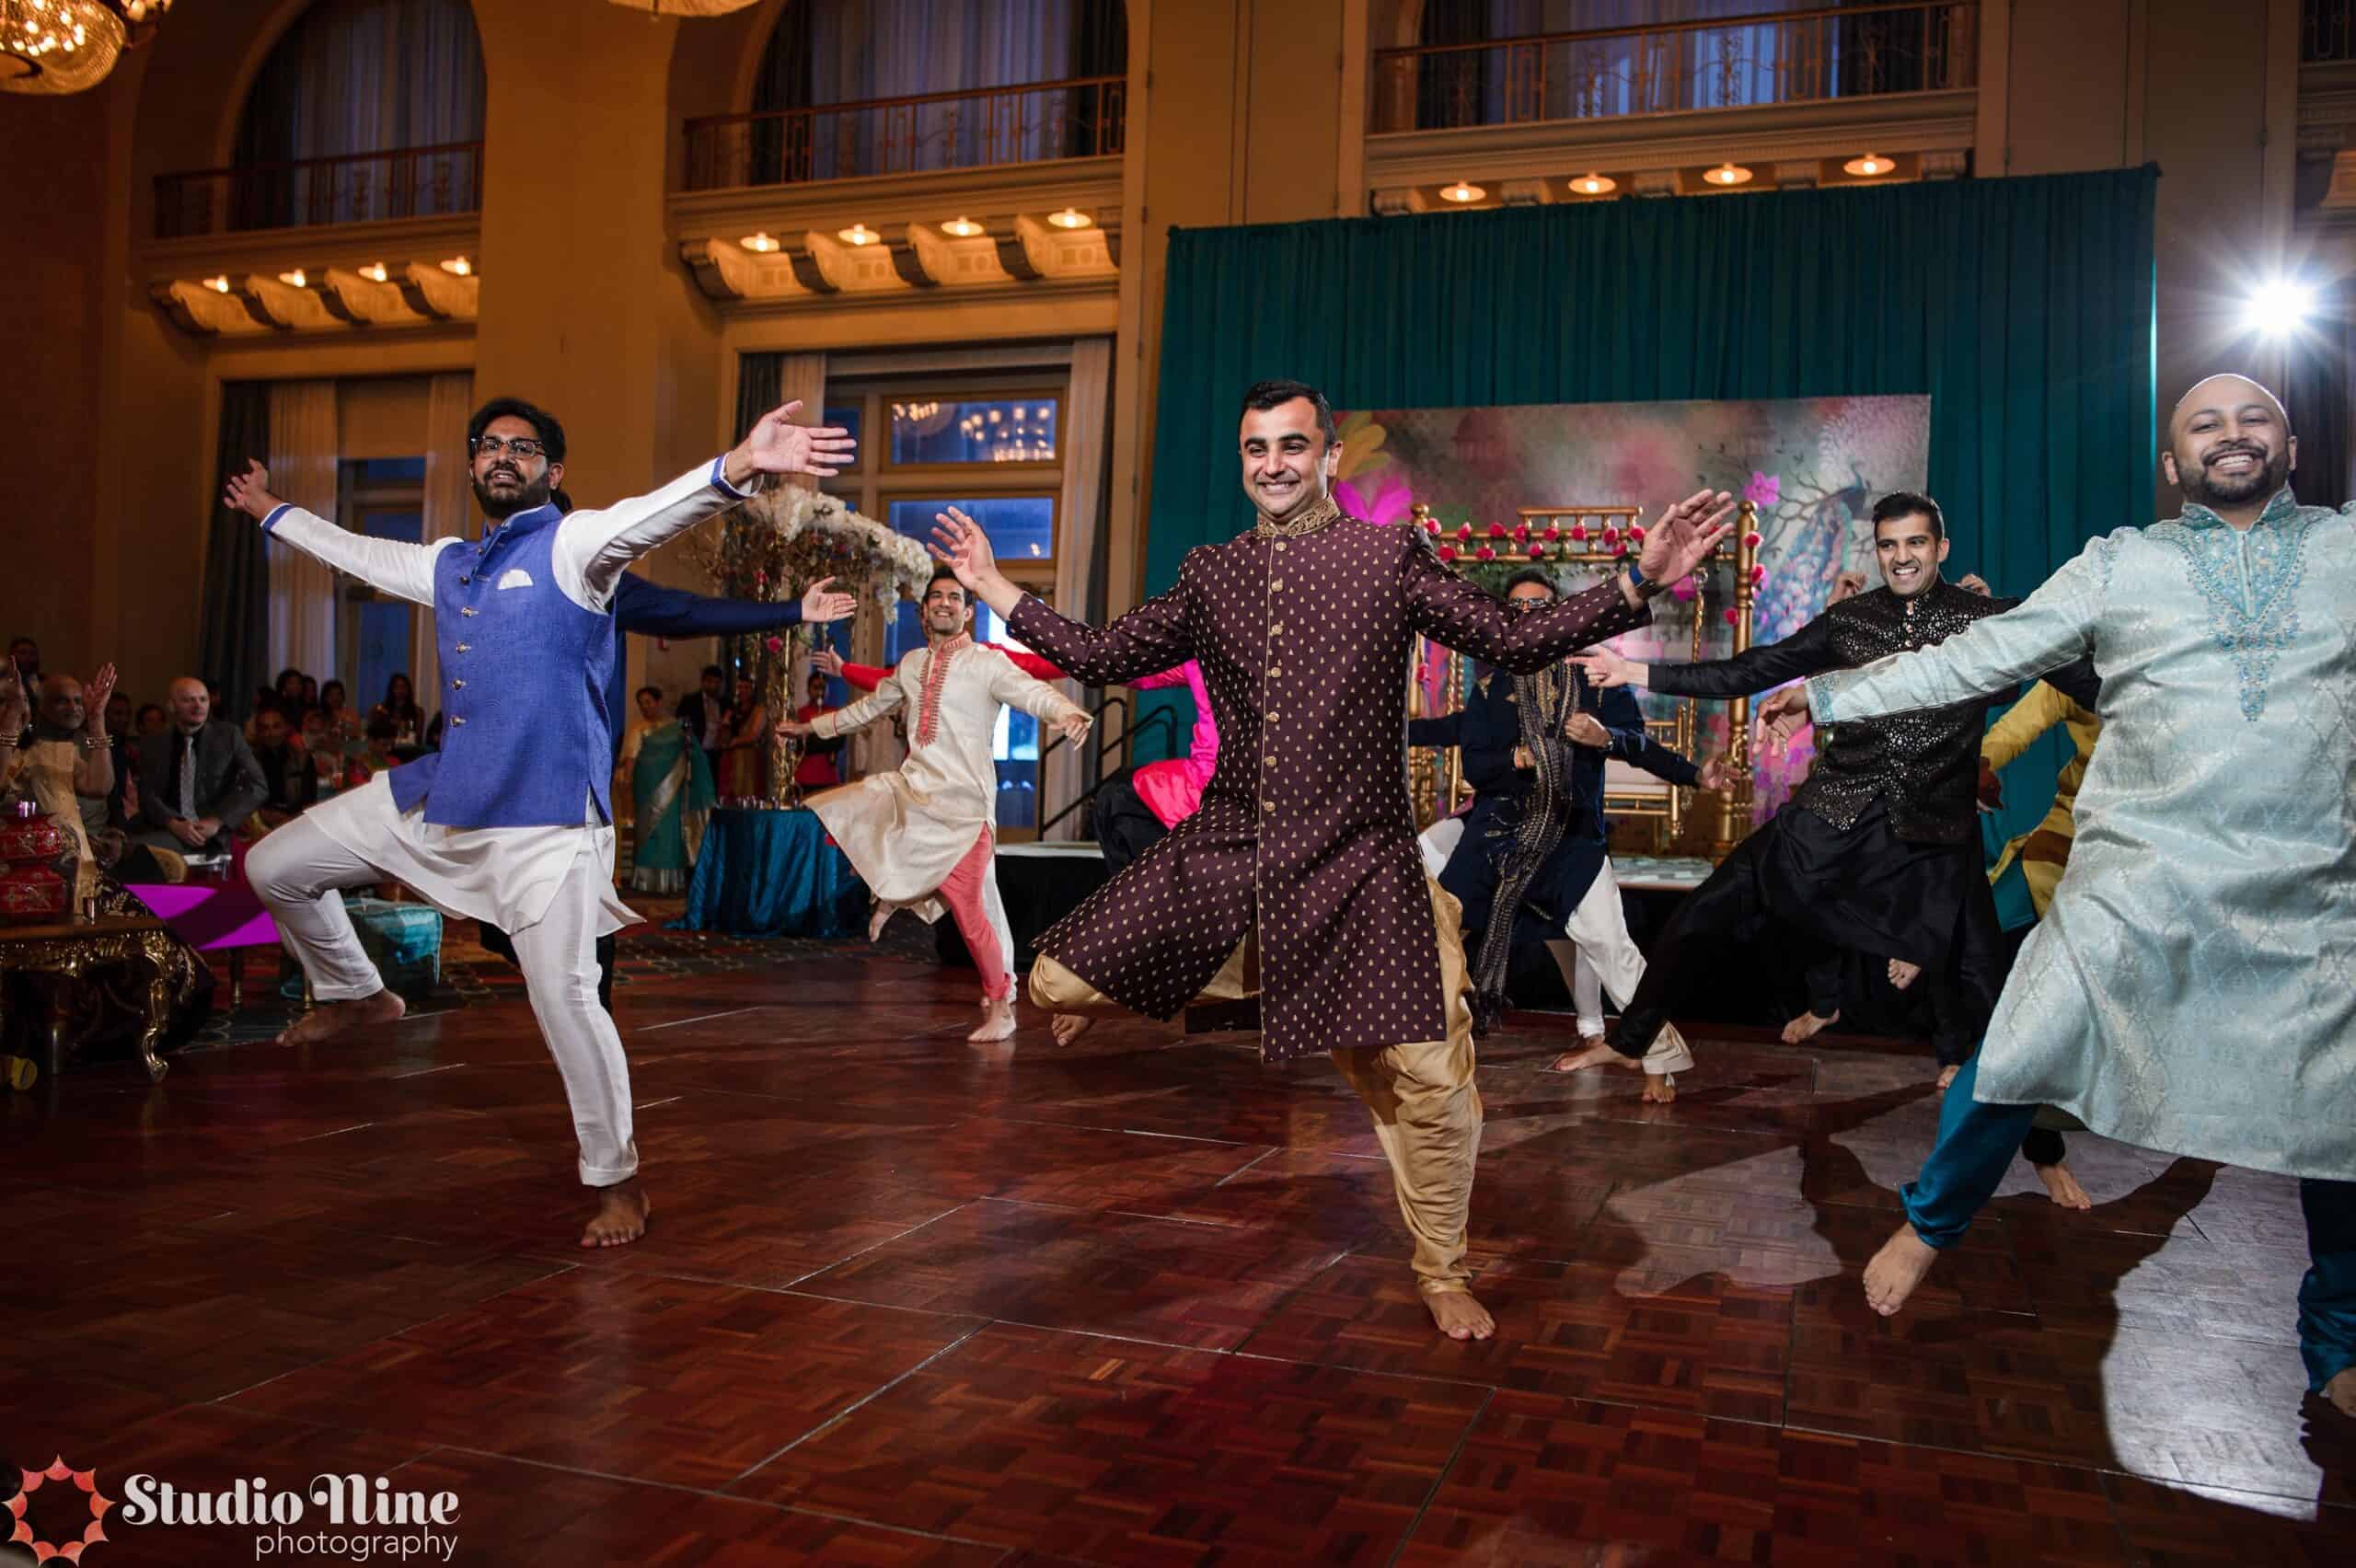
(866, 677)
(1202, 759)
(1176, 676)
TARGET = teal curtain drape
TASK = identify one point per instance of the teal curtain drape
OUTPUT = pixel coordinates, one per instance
(2024, 309)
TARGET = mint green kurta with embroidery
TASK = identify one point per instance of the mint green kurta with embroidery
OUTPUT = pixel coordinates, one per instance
(2192, 987)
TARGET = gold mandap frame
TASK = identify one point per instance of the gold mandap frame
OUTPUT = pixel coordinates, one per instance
(1435, 775)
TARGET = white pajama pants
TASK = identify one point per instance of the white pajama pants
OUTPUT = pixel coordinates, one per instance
(1607, 958)
(297, 870)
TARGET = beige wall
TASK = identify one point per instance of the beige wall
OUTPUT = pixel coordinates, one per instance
(1254, 114)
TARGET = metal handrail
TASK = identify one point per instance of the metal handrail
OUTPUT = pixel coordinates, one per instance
(214, 201)
(1161, 719)
(1080, 115)
(1565, 76)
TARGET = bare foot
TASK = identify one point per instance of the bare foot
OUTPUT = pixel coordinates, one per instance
(1660, 1088)
(1596, 1053)
(329, 1019)
(1069, 1027)
(621, 1215)
(1458, 1316)
(1897, 1269)
(1946, 1076)
(998, 1021)
(1901, 973)
(2341, 1391)
(2062, 1187)
(1809, 1025)
(878, 920)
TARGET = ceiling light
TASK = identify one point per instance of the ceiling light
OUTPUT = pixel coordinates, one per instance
(375, 273)
(458, 267)
(294, 280)
(1728, 174)
(1070, 218)
(1870, 166)
(2278, 308)
(858, 233)
(761, 243)
(1460, 192)
(219, 284)
(1595, 185)
(964, 228)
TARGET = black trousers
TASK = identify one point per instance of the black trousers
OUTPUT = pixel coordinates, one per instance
(1126, 827)
(1861, 887)
(495, 940)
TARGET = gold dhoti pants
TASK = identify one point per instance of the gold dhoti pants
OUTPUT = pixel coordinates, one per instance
(1427, 1110)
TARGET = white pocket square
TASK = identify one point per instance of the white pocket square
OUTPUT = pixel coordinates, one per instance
(514, 576)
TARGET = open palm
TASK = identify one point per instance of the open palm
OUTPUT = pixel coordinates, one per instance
(778, 446)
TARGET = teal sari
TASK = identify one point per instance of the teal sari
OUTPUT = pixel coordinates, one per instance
(671, 784)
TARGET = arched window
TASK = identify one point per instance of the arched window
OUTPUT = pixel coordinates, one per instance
(364, 110)
(842, 73)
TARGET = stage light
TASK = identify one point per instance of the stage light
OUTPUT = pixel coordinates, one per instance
(1460, 192)
(219, 284)
(964, 228)
(1070, 218)
(1595, 185)
(759, 243)
(2278, 308)
(294, 280)
(458, 267)
(1871, 165)
(1728, 174)
(858, 233)
(376, 272)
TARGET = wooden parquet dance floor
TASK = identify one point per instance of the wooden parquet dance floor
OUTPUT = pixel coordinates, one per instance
(1141, 1301)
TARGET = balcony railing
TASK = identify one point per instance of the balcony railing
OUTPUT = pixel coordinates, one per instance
(1773, 57)
(406, 182)
(1084, 117)
(2326, 31)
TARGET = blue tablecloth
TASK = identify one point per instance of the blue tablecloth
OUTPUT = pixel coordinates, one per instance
(772, 873)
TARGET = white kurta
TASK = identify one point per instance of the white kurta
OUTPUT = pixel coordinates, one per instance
(906, 831)
(504, 875)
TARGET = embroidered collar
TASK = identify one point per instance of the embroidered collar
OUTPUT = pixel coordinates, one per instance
(1317, 514)
(936, 671)
(2283, 508)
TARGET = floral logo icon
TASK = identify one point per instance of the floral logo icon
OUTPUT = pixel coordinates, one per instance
(72, 1551)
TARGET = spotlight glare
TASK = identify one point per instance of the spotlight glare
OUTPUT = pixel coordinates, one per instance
(2280, 307)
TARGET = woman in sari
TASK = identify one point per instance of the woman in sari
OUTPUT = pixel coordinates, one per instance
(671, 792)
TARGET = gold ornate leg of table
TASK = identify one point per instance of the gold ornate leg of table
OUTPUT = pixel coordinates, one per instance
(236, 978)
(160, 1009)
(60, 1011)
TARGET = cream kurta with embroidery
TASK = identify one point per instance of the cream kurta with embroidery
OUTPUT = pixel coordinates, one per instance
(906, 831)
(2192, 986)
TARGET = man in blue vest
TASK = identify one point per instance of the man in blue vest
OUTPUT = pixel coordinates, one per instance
(511, 821)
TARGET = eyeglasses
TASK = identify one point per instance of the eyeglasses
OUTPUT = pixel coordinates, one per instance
(521, 445)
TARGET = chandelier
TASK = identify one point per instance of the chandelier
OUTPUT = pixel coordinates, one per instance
(64, 46)
(687, 8)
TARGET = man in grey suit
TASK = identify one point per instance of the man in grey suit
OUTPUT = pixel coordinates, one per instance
(198, 780)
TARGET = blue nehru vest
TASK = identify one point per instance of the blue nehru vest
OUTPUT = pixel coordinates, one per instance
(525, 672)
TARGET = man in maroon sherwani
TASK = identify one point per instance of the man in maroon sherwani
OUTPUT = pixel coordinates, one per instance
(1304, 627)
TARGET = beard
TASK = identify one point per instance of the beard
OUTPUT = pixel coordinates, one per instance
(2231, 490)
(529, 494)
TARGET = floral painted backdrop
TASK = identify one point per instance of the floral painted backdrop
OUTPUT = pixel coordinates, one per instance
(1813, 465)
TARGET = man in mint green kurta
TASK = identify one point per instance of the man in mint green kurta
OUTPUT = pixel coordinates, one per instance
(2192, 987)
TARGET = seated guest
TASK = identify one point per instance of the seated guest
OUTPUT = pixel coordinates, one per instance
(24, 657)
(285, 770)
(343, 723)
(16, 717)
(331, 771)
(375, 750)
(198, 781)
(400, 707)
(151, 720)
(124, 740)
(289, 687)
(69, 771)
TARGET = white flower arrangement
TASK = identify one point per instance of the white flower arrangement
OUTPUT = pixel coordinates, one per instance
(881, 559)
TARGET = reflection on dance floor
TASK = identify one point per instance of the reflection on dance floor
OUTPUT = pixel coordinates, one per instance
(904, 1300)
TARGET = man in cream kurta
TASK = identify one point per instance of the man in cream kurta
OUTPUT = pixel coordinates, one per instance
(921, 835)
(2188, 988)
(511, 821)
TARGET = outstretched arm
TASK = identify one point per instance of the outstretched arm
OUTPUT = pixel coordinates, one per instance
(1456, 613)
(1040, 700)
(1807, 651)
(2053, 627)
(1152, 637)
(592, 547)
(885, 700)
(390, 566)
(651, 610)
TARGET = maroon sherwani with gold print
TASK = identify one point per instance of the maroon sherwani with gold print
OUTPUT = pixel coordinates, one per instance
(1305, 630)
